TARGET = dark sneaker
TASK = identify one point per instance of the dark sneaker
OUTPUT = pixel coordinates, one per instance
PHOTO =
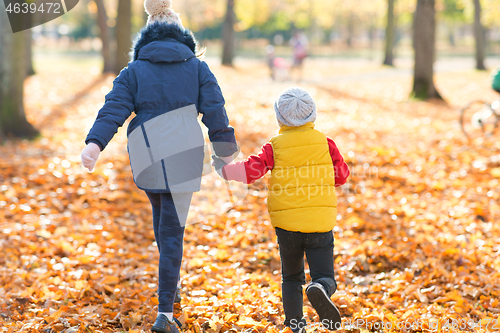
(164, 325)
(328, 313)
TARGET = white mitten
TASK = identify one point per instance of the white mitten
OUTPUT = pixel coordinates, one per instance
(90, 154)
(218, 164)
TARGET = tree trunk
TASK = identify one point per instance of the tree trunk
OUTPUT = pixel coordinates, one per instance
(389, 35)
(424, 44)
(479, 35)
(228, 35)
(12, 74)
(102, 20)
(313, 25)
(451, 35)
(371, 37)
(123, 34)
(350, 31)
(29, 53)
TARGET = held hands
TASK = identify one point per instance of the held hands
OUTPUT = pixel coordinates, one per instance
(227, 160)
(219, 162)
(89, 156)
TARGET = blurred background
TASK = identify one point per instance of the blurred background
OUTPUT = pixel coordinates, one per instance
(333, 27)
(98, 34)
(93, 30)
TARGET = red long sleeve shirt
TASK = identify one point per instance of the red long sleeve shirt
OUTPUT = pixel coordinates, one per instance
(256, 166)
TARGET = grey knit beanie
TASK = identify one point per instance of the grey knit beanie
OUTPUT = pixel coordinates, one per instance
(295, 107)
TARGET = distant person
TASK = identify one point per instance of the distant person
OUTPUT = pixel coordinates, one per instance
(305, 166)
(299, 44)
(167, 86)
(271, 56)
(281, 69)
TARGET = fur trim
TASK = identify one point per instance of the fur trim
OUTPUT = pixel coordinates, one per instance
(159, 31)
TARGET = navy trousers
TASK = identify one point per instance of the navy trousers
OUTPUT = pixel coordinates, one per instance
(169, 236)
(318, 248)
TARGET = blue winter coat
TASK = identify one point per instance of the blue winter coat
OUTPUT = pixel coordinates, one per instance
(166, 85)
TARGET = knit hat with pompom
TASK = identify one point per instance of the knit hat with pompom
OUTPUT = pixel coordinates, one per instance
(161, 11)
(295, 107)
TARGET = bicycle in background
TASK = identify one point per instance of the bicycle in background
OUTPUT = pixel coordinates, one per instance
(480, 118)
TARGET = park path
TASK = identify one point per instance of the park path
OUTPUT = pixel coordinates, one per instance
(359, 69)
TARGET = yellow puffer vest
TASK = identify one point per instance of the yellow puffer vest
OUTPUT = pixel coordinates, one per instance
(302, 184)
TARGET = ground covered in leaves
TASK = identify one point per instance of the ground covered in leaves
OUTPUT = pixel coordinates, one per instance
(416, 242)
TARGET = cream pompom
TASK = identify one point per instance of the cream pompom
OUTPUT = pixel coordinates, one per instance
(157, 7)
(161, 11)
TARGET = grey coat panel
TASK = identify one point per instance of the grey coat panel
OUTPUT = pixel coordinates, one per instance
(166, 152)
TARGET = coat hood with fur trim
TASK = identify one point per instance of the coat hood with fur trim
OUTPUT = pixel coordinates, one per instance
(157, 32)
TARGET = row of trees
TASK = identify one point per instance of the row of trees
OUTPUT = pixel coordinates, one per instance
(321, 17)
(115, 59)
(424, 36)
(16, 64)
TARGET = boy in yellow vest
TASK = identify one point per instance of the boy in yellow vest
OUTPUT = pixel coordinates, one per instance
(305, 166)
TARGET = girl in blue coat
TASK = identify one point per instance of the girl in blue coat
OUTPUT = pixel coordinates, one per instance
(167, 86)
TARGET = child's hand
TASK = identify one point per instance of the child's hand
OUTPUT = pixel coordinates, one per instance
(218, 164)
(89, 156)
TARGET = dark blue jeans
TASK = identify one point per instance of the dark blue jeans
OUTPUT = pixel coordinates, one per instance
(169, 236)
(318, 248)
